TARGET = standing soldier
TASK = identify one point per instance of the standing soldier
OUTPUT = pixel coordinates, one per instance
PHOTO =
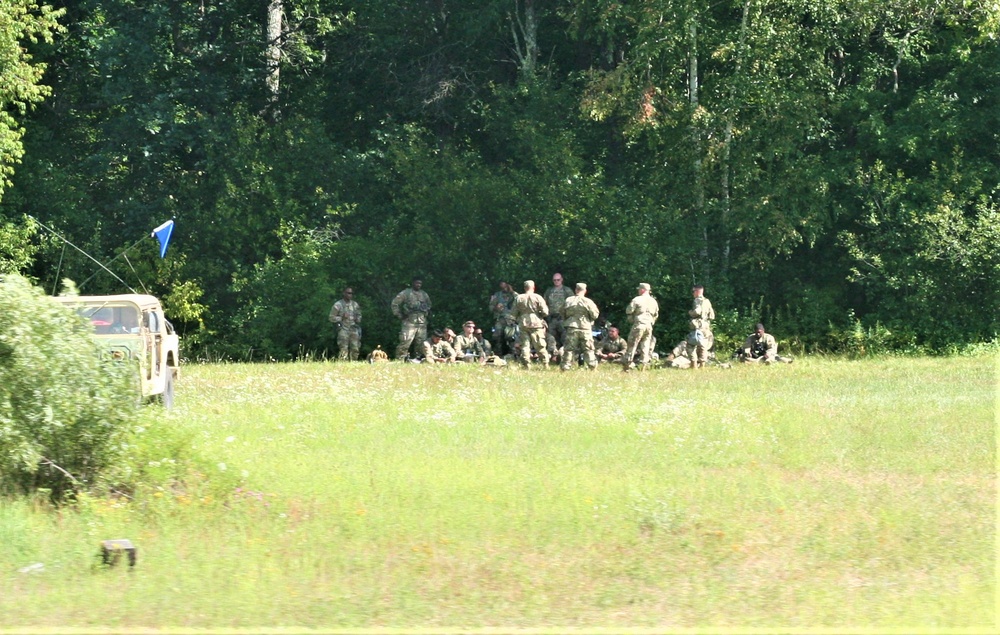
(555, 298)
(579, 313)
(642, 312)
(345, 314)
(701, 338)
(411, 306)
(529, 312)
(501, 304)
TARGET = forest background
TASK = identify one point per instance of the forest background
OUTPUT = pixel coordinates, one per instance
(828, 167)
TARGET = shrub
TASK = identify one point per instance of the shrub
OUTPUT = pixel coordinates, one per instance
(63, 407)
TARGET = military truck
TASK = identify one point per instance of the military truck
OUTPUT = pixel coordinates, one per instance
(133, 329)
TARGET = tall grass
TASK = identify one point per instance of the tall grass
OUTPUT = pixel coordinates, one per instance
(825, 493)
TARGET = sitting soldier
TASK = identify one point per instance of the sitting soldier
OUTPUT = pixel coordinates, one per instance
(761, 348)
(438, 351)
(485, 343)
(467, 347)
(679, 357)
(612, 347)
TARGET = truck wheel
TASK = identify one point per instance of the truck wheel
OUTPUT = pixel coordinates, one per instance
(167, 398)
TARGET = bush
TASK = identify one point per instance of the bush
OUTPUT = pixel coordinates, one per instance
(63, 407)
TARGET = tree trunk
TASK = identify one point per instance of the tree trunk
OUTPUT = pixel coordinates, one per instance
(525, 33)
(699, 184)
(274, 36)
(728, 142)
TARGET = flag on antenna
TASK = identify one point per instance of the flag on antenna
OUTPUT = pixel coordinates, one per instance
(162, 234)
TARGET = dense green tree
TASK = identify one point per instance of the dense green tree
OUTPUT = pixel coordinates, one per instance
(814, 163)
(22, 22)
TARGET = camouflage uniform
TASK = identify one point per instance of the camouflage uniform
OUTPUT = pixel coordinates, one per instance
(611, 350)
(411, 306)
(346, 315)
(529, 312)
(440, 351)
(642, 312)
(468, 348)
(555, 298)
(487, 348)
(579, 313)
(760, 348)
(501, 303)
(701, 338)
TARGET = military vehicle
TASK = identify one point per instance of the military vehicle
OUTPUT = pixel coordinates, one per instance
(133, 329)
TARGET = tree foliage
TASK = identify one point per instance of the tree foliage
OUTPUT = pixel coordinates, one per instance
(22, 22)
(64, 409)
(822, 166)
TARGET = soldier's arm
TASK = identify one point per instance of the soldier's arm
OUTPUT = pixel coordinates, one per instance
(357, 314)
(335, 314)
(396, 302)
(543, 309)
(772, 348)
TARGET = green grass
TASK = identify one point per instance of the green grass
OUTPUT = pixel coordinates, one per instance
(826, 493)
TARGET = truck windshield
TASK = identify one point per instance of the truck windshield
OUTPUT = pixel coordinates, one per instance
(112, 319)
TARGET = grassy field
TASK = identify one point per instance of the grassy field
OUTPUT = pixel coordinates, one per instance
(849, 495)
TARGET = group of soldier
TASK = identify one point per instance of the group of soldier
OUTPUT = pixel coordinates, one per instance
(557, 326)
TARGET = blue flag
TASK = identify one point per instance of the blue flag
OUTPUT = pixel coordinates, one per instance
(162, 234)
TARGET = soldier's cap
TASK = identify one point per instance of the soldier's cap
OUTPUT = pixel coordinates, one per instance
(529, 284)
(469, 323)
(759, 327)
(437, 334)
(645, 286)
(581, 286)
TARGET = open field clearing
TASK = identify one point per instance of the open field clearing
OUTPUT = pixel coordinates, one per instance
(825, 493)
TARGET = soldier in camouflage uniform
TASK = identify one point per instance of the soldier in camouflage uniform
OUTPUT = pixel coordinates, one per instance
(411, 306)
(761, 348)
(467, 347)
(612, 347)
(701, 338)
(555, 296)
(345, 314)
(530, 311)
(579, 313)
(438, 351)
(501, 304)
(642, 312)
(485, 343)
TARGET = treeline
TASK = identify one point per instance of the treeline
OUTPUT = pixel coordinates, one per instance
(830, 168)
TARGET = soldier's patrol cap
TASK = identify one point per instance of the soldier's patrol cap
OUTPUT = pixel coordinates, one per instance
(470, 323)
(437, 334)
(645, 286)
